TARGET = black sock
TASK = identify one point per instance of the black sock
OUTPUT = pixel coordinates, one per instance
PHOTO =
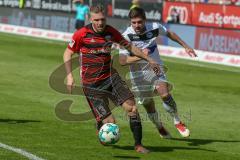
(136, 128)
(99, 125)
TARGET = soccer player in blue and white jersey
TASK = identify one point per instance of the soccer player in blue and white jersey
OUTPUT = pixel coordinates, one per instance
(144, 81)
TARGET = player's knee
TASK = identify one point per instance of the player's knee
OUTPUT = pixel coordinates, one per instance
(132, 111)
(109, 119)
(164, 95)
(162, 90)
(130, 102)
(129, 105)
(112, 120)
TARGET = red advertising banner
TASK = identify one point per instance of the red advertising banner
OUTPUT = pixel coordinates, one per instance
(210, 15)
(218, 40)
(173, 9)
(231, 17)
(207, 15)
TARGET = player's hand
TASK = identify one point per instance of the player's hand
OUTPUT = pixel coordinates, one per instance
(146, 51)
(70, 84)
(155, 66)
(190, 52)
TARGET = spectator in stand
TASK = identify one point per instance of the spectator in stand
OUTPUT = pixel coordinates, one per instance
(82, 13)
(21, 3)
(237, 3)
(135, 3)
(174, 16)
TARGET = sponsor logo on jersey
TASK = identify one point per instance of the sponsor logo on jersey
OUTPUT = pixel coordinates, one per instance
(108, 37)
(71, 43)
(103, 50)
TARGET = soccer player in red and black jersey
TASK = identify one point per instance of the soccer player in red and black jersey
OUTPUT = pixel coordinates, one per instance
(100, 81)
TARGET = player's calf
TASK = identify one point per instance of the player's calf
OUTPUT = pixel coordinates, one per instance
(135, 124)
(153, 115)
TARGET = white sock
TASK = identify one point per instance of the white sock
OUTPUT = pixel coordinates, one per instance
(173, 113)
(154, 117)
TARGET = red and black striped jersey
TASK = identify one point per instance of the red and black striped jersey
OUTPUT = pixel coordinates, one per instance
(95, 51)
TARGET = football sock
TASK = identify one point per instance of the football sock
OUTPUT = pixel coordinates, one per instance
(136, 128)
(170, 106)
(154, 117)
(99, 125)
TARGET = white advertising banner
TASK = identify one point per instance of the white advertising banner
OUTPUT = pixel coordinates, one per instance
(204, 56)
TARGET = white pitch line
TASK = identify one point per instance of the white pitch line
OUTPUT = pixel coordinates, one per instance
(20, 151)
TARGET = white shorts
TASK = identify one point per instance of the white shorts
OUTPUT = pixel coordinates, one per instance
(144, 83)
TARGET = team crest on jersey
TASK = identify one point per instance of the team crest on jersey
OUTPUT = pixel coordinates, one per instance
(108, 37)
(71, 43)
(149, 35)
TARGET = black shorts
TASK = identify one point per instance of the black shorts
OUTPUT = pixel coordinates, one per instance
(98, 95)
(79, 24)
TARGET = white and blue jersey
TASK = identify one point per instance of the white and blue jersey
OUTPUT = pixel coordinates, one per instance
(142, 76)
(145, 40)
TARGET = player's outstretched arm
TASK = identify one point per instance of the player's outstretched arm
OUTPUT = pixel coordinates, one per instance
(137, 52)
(125, 60)
(173, 36)
(68, 66)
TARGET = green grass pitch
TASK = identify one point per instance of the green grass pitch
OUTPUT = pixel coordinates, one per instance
(208, 98)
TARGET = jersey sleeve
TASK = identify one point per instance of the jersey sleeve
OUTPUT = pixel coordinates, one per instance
(76, 42)
(162, 29)
(118, 38)
(123, 51)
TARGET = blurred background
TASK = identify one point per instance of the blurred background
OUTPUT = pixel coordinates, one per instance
(207, 94)
(209, 25)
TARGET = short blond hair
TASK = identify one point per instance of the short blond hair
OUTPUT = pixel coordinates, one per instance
(97, 9)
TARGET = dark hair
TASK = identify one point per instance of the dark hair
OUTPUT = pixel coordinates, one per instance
(137, 12)
(97, 9)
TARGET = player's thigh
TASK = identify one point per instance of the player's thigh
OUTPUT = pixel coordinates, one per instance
(120, 91)
(98, 104)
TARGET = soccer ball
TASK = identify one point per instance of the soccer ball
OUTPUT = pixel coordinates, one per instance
(109, 133)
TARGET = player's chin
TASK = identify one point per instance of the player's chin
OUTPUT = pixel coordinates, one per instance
(138, 31)
(100, 29)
